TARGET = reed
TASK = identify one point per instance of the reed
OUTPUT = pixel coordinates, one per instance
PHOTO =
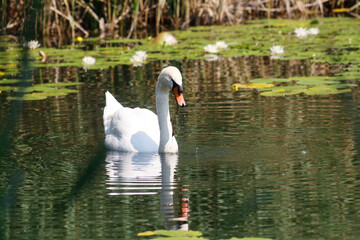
(65, 20)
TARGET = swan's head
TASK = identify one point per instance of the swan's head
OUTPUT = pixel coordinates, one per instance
(171, 80)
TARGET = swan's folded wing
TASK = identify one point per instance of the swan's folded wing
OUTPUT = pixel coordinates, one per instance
(134, 129)
(112, 105)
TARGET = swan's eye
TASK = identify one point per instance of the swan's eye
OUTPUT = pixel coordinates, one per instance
(180, 88)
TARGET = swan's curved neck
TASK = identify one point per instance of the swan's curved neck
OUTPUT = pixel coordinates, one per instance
(162, 108)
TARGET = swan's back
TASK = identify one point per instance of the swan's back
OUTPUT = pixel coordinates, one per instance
(130, 129)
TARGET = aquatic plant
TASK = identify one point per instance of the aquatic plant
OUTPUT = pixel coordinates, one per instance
(338, 45)
(33, 44)
(63, 19)
(313, 31)
(277, 50)
(311, 85)
(301, 32)
(139, 58)
(179, 234)
(42, 91)
(165, 38)
(211, 48)
(221, 45)
(253, 42)
(88, 61)
(211, 57)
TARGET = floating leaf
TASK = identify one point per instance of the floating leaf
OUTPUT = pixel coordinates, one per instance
(324, 90)
(270, 80)
(177, 233)
(250, 238)
(317, 90)
(311, 81)
(236, 86)
(62, 84)
(146, 234)
(11, 81)
(6, 88)
(284, 90)
(42, 91)
(27, 97)
(173, 234)
(180, 238)
(310, 85)
(348, 76)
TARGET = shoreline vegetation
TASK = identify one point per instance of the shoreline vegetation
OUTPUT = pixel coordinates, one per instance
(57, 23)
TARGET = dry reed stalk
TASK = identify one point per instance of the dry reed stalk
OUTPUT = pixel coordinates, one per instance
(126, 16)
(56, 20)
(88, 9)
(159, 11)
(135, 11)
(69, 18)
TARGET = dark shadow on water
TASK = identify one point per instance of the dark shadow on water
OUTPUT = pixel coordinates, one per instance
(84, 179)
(8, 197)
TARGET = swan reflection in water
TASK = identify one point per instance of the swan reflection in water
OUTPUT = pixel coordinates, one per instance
(146, 174)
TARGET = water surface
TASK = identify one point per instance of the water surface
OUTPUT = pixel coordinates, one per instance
(248, 165)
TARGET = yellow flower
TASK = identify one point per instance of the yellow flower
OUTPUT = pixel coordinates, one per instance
(79, 39)
(2, 73)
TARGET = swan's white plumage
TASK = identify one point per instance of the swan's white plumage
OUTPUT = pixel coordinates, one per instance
(132, 130)
(137, 129)
(112, 105)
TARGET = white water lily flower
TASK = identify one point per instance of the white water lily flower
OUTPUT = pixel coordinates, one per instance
(313, 31)
(301, 32)
(170, 39)
(211, 48)
(138, 58)
(221, 45)
(88, 61)
(33, 44)
(276, 50)
(141, 54)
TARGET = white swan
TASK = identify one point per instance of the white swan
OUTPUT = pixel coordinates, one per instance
(139, 129)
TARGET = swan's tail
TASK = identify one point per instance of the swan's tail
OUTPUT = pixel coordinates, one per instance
(112, 105)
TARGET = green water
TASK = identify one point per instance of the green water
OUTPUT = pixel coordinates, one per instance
(281, 167)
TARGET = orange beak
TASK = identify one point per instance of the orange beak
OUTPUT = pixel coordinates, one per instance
(179, 97)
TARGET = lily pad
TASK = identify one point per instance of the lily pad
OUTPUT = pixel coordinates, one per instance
(42, 91)
(10, 81)
(309, 85)
(171, 233)
(28, 97)
(6, 88)
(270, 80)
(236, 86)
